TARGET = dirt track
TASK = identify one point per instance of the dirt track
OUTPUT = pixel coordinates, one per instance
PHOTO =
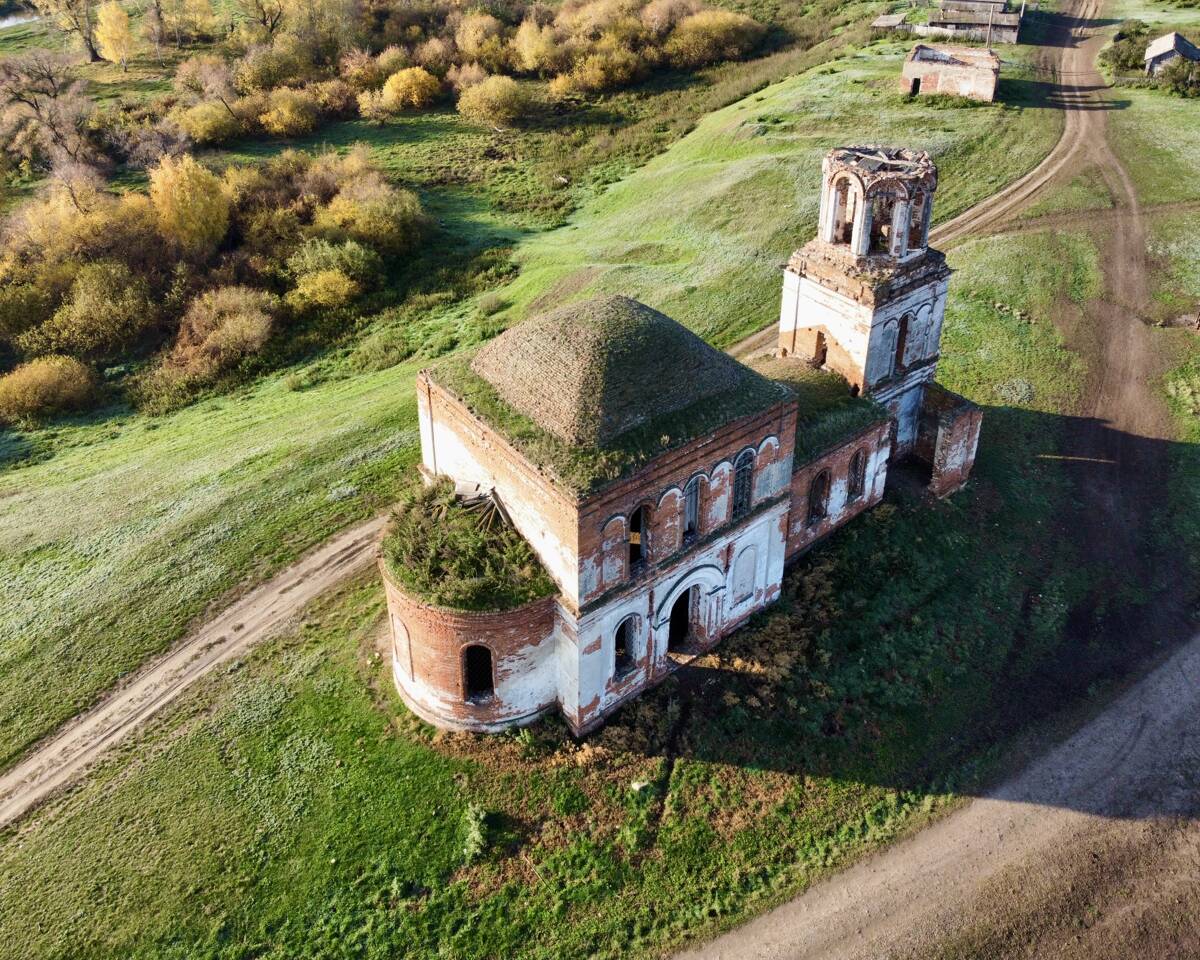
(61, 759)
(1093, 851)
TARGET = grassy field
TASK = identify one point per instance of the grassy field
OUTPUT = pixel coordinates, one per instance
(122, 529)
(1158, 140)
(687, 232)
(1085, 191)
(291, 807)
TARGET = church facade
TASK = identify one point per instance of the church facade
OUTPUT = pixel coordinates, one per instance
(663, 484)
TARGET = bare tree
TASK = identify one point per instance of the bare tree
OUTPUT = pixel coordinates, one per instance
(268, 14)
(76, 17)
(42, 103)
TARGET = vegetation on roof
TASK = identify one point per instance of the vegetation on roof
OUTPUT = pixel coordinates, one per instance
(828, 413)
(465, 556)
(593, 370)
(582, 469)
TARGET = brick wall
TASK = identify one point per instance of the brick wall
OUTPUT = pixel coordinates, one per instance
(876, 442)
(428, 645)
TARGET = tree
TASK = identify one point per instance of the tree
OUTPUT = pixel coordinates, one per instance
(1182, 76)
(497, 102)
(113, 36)
(192, 209)
(267, 15)
(76, 17)
(43, 104)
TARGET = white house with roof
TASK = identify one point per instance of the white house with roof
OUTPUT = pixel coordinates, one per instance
(1168, 48)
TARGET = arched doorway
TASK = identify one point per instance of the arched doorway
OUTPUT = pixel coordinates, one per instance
(681, 627)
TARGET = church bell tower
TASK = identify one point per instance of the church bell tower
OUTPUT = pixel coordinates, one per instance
(866, 298)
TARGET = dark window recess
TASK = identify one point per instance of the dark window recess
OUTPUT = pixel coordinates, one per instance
(818, 497)
(624, 658)
(858, 475)
(743, 483)
(901, 343)
(637, 535)
(477, 674)
(691, 510)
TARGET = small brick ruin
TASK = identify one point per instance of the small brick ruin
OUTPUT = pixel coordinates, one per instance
(957, 71)
(654, 566)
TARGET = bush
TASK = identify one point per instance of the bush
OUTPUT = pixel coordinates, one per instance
(335, 98)
(479, 38)
(393, 59)
(44, 387)
(660, 17)
(266, 66)
(413, 88)
(712, 35)
(496, 102)
(209, 123)
(597, 72)
(374, 214)
(1182, 76)
(329, 289)
(361, 264)
(361, 70)
(106, 311)
(1128, 48)
(536, 49)
(435, 55)
(464, 77)
(291, 113)
(468, 559)
(192, 209)
(220, 328)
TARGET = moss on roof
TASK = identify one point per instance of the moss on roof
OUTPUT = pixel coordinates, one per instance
(828, 413)
(581, 469)
(591, 372)
(463, 557)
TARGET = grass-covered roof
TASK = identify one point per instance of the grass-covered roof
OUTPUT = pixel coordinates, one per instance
(583, 469)
(592, 371)
(828, 413)
(468, 557)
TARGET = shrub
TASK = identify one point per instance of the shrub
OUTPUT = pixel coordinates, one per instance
(1182, 76)
(597, 72)
(44, 387)
(370, 106)
(291, 113)
(660, 17)
(1128, 48)
(220, 328)
(392, 60)
(193, 210)
(496, 102)
(209, 123)
(266, 66)
(536, 49)
(374, 214)
(323, 288)
(468, 559)
(361, 264)
(479, 38)
(106, 311)
(466, 76)
(361, 70)
(712, 35)
(335, 98)
(435, 55)
(412, 88)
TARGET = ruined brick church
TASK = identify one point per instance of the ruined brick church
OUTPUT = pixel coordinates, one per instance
(663, 484)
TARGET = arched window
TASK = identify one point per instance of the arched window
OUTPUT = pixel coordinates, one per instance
(857, 481)
(843, 213)
(637, 538)
(478, 682)
(883, 208)
(743, 484)
(745, 570)
(916, 222)
(901, 343)
(625, 655)
(691, 510)
(818, 497)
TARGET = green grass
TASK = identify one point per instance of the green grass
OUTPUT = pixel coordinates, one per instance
(699, 232)
(1157, 138)
(1085, 191)
(290, 806)
(123, 529)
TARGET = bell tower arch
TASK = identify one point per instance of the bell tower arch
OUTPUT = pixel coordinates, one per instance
(867, 296)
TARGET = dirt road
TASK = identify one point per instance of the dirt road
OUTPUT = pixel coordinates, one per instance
(63, 758)
(1135, 765)
(1093, 851)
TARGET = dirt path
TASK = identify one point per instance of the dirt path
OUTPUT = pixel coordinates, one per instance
(1094, 850)
(60, 760)
(1136, 763)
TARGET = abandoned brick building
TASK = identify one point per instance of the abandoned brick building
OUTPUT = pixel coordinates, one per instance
(663, 484)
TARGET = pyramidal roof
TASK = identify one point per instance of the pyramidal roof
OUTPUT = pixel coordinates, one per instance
(591, 371)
